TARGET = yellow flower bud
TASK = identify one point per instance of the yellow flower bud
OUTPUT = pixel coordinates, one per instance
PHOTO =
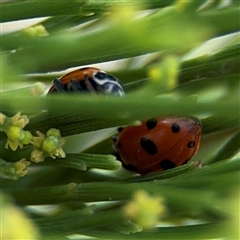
(14, 133)
(50, 144)
(145, 210)
(53, 132)
(27, 137)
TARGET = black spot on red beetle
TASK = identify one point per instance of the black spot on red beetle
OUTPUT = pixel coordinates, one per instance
(191, 144)
(148, 145)
(167, 164)
(119, 144)
(175, 128)
(151, 123)
(120, 129)
(131, 167)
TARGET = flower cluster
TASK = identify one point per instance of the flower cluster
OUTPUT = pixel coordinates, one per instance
(13, 127)
(49, 145)
(14, 170)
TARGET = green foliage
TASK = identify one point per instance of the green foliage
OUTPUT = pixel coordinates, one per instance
(177, 58)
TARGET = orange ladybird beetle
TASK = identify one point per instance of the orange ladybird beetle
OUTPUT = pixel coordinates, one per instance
(88, 79)
(158, 143)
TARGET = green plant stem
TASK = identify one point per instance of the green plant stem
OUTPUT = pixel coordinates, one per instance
(83, 161)
(74, 221)
(126, 31)
(57, 59)
(225, 166)
(163, 175)
(228, 150)
(92, 113)
(218, 19)
(195, 232)
(61, 23)
(215, 123)
(221, 63)
(107, 191)
(31, 9)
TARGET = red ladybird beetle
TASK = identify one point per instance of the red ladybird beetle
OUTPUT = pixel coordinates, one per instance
(158, 143)
(88, 79)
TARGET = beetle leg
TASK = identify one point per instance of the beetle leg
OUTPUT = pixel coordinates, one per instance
(59, 86)
(77, 86)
